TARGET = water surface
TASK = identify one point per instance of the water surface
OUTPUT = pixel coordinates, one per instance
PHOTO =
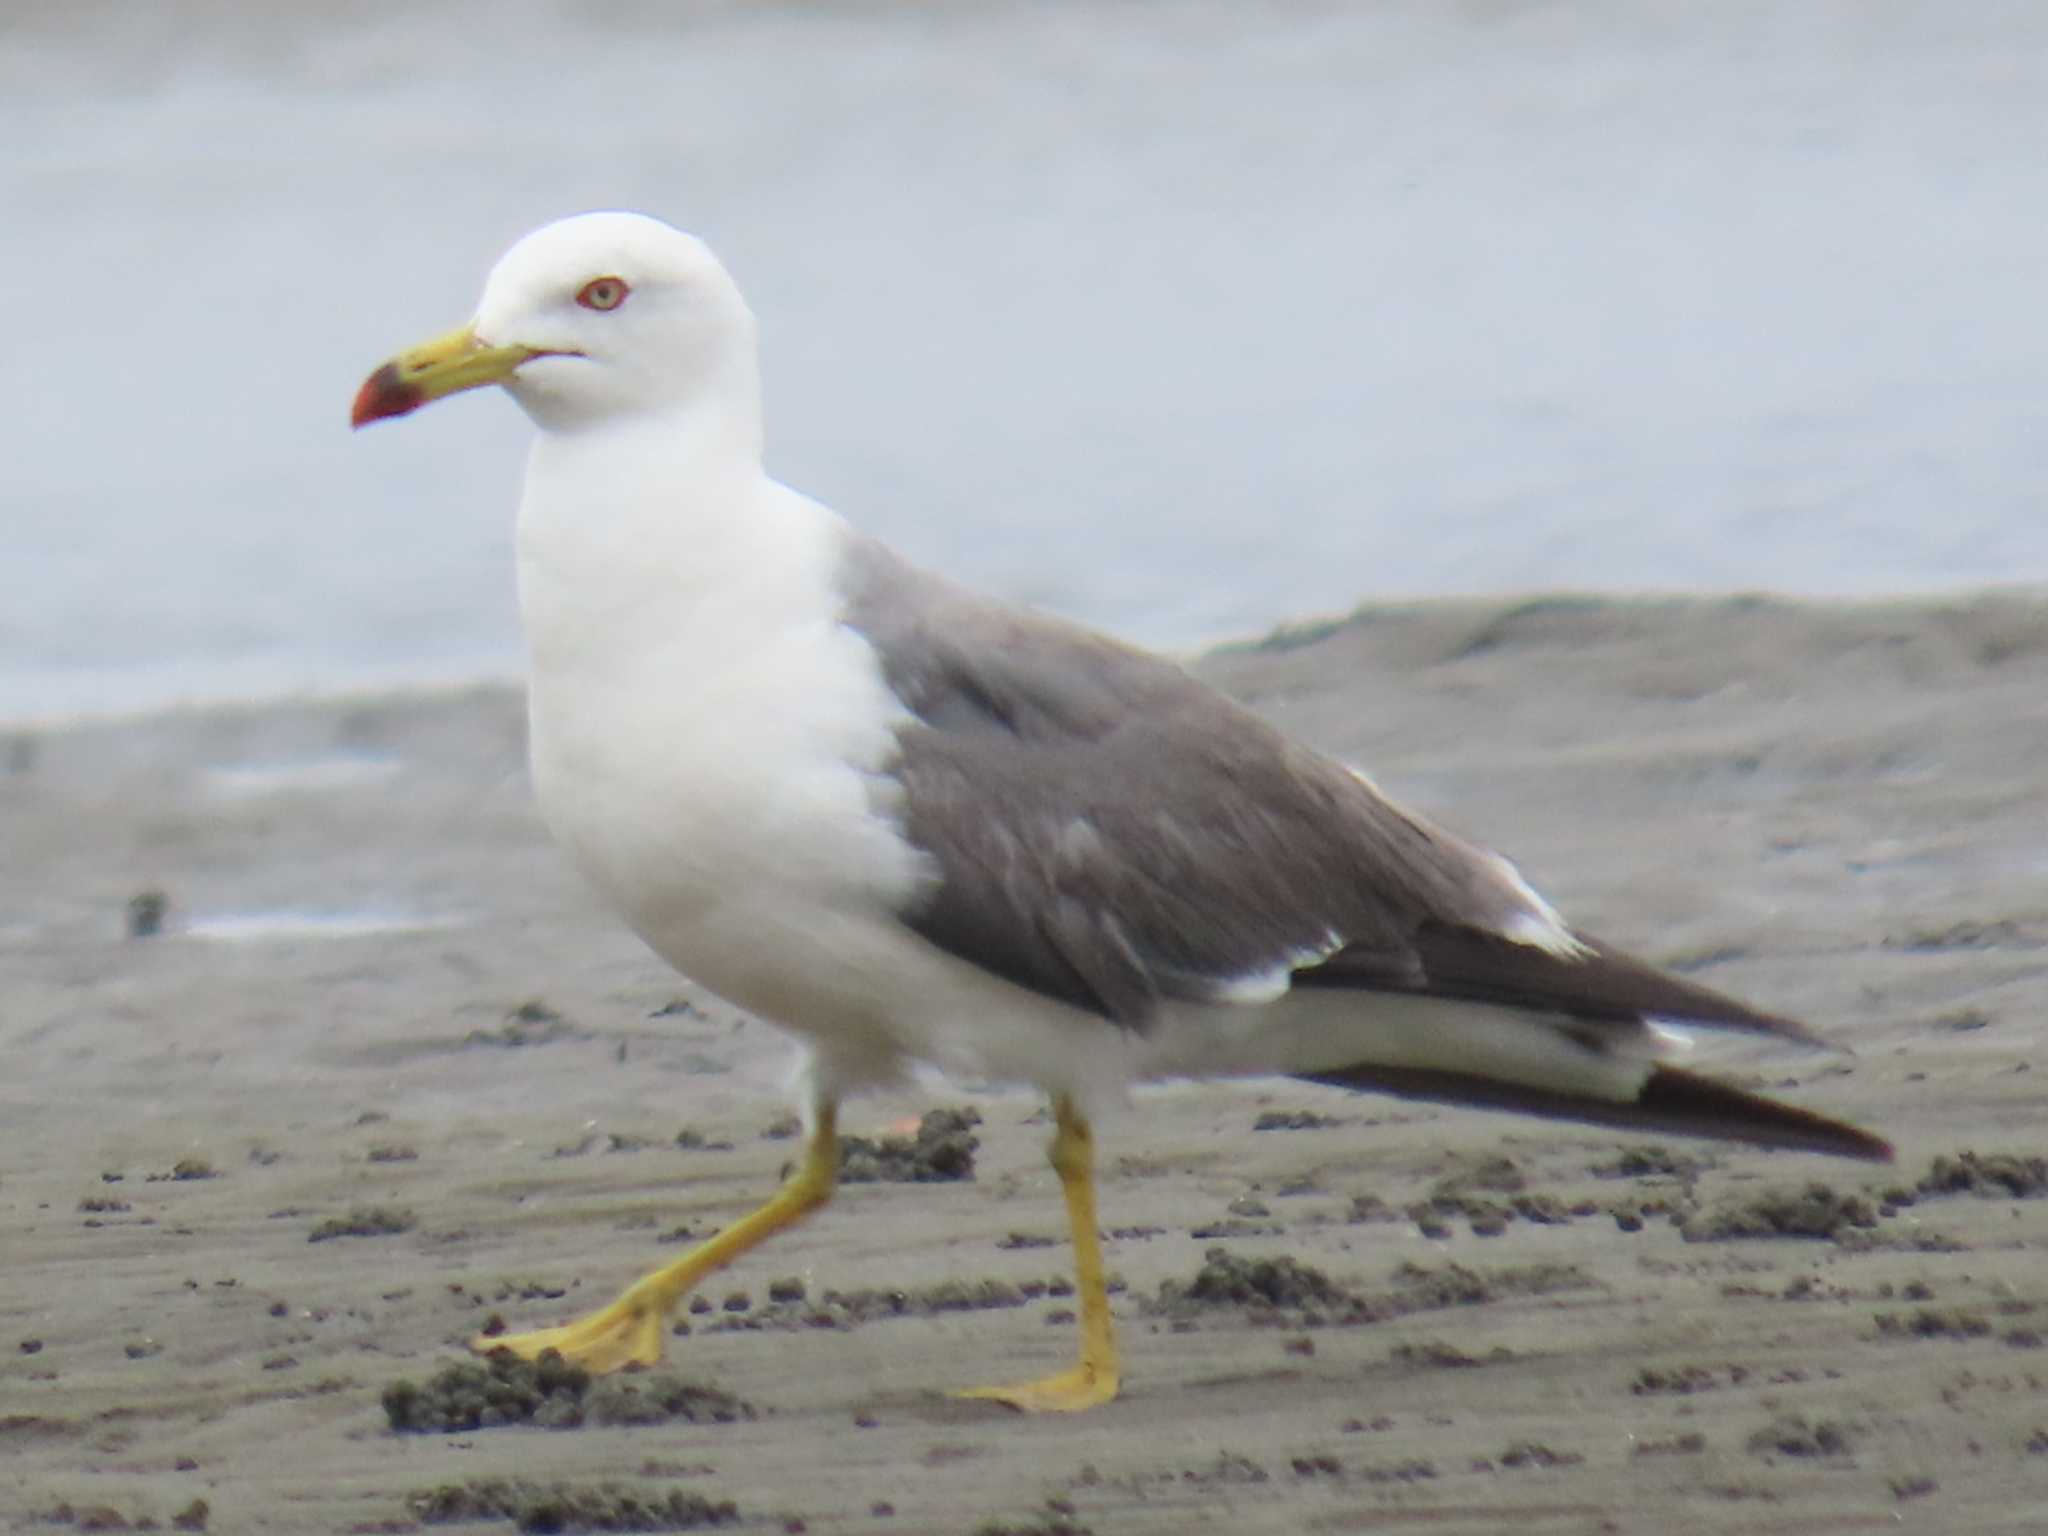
(1182, 317)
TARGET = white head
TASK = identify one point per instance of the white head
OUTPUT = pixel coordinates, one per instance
(590, 321)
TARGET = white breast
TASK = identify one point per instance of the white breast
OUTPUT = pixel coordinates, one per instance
(708, 741)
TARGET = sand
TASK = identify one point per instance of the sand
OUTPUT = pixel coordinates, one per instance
(378, 1010)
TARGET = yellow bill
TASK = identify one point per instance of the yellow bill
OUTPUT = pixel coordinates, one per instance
(446, 365)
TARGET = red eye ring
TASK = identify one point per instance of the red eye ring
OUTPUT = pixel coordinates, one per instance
(603, 293)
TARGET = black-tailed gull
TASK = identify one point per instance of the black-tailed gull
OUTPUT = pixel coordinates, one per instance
(910, 824)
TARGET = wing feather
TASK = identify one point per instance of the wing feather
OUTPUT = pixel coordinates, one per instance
(1109, 831)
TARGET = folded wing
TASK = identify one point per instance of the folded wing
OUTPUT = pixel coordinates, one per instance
(1108, 831)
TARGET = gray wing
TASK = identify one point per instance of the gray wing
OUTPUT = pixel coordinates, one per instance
(1113, 833)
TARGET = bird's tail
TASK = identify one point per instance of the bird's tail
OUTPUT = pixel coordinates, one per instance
(1670, 1100)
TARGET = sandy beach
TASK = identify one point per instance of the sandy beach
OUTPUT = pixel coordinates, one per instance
(319, 1057)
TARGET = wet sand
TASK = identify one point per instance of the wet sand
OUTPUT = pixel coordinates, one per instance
(384, 1071)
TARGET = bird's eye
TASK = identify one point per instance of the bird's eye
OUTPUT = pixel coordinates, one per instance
(603, 293)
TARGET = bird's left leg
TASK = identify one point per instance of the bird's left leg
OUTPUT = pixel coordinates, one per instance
(1092, 1379)
(629, 1331)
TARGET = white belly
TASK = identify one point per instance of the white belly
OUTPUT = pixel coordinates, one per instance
(780, 892)
(731, 806)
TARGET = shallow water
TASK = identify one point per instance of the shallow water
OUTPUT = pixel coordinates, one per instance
(1182, 317)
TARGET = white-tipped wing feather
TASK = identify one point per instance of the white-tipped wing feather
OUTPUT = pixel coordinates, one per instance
(1117, 835)
(1113, 833)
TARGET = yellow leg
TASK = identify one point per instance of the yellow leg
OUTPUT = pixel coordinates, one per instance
(629, 1331)
(1092, 1379)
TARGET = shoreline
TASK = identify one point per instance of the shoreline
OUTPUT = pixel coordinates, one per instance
(392, 683)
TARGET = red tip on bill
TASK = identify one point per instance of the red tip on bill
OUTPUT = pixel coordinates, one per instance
(384, 394)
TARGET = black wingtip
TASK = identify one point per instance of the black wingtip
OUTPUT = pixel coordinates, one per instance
(1687, 1101)
(1670, 1101)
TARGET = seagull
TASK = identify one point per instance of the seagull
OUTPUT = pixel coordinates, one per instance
(910, 824)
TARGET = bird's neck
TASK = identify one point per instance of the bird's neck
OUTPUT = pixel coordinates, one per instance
(653, 533)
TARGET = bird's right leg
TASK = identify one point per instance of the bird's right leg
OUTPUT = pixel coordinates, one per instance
(629, 1331)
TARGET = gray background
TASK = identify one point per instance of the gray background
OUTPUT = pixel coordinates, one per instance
(1182, 317)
